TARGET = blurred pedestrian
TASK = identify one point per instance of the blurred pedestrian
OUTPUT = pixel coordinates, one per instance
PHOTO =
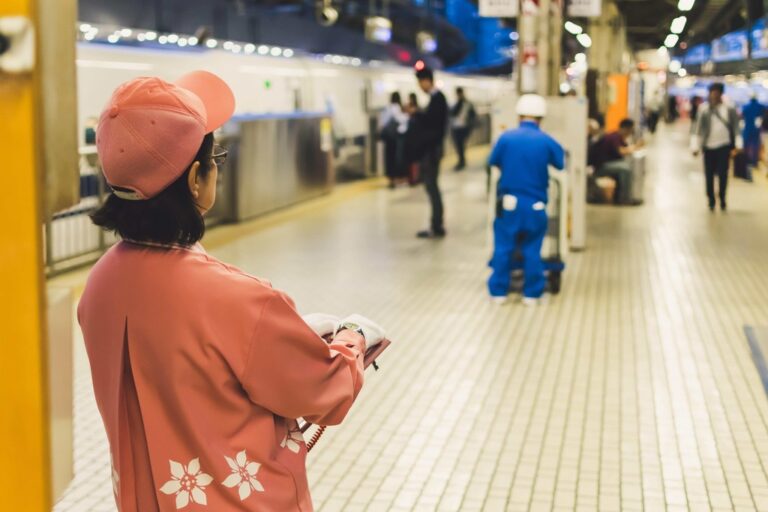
(717, 134)
(752, 113)
(393, 126)
(463, 117)
(610, 159)
(431, 125)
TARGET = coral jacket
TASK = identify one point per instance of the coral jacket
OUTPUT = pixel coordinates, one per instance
(200, 372)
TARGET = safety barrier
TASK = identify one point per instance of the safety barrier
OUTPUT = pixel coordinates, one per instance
(70, 239)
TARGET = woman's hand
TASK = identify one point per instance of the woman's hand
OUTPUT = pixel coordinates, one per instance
(322, 323)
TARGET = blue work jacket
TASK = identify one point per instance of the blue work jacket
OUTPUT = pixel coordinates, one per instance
(524, 156)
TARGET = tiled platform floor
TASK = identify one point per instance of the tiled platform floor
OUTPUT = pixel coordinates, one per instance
(632, 390)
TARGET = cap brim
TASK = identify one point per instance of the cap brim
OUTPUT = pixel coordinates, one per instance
(217, 97)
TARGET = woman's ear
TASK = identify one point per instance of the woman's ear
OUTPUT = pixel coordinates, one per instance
(192, 180)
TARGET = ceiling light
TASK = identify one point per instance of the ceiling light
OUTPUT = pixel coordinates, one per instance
(141, 37)
(585, 40)
(211, 43)
(675, 66)
(671, 40)
(288, 53)
(682, 73)
(275, 51)
(326, 14)
(89, 36)
(249, 48)
(85, 27)
(678, 25)
(229, 45)
(150, 36)
(573, 28)
(263, 50)
(182, 42)
(193, 41)
(162, 39)
(336, 59)
(113, 38)
(236, 48)
(173, 38)
(378, 29)
(356, 62)
(514, 36)
(126, 32)
(685, 5)
(580, 57)
(426, 42)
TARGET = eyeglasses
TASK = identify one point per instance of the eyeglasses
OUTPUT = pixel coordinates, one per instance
(219, 155)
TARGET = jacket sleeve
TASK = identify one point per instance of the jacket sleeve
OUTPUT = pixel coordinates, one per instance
(498, 150)
(696, 135)
(557, 157)
(295, 374)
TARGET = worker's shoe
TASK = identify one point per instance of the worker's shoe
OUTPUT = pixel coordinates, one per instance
(499, 299)
(531, 301)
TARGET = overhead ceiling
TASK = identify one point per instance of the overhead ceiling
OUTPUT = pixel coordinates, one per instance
(290, 23)
(648, 21)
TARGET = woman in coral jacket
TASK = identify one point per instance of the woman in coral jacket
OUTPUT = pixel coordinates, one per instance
(200, 370)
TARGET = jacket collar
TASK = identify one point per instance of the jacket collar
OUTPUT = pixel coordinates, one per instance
(530, 124)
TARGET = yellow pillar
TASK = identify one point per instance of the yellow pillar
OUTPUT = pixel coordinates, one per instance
(24, 454)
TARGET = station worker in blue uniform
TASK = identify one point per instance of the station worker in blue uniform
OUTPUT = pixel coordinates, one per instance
(524, 156)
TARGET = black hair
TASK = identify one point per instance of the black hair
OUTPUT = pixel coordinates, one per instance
(171, 217)
(717, 86)
(425, 74)
(459, 90)
(395, 98)
(627, 124)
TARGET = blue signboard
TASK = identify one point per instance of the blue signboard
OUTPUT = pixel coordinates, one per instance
(759, 37)
(732, 46)
(698, 54)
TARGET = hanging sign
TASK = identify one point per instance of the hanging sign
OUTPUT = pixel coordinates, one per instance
(499, 8)
(585, 8)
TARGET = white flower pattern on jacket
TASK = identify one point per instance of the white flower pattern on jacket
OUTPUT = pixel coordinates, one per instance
(243, 475)
(187, 483)
(292, 440)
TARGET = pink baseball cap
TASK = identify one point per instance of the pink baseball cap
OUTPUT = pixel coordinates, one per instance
(151, 130)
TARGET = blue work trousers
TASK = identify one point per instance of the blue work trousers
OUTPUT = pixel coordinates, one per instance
(523, 228)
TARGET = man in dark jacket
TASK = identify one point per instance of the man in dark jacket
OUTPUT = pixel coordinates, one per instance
(432, 124)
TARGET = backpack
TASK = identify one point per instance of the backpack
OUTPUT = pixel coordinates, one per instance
(390, 130)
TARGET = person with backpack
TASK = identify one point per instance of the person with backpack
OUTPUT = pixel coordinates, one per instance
(393, 126)
(463, 117)
(717, 134)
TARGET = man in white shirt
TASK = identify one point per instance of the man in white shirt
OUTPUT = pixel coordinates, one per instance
(462, 117)
(717, 133)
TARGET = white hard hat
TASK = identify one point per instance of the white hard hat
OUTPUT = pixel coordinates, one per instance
(531, 105)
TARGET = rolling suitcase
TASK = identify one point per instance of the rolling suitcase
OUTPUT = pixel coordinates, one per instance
(740, 167)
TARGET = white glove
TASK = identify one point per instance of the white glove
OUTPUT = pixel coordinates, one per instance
(372, 332)
(322, 323)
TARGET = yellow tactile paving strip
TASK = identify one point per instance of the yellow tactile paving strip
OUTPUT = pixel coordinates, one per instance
(632, 390)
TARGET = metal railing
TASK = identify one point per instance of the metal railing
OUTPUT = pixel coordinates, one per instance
(70, 239)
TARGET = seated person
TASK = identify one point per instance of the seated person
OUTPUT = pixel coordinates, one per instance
(609, 159)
